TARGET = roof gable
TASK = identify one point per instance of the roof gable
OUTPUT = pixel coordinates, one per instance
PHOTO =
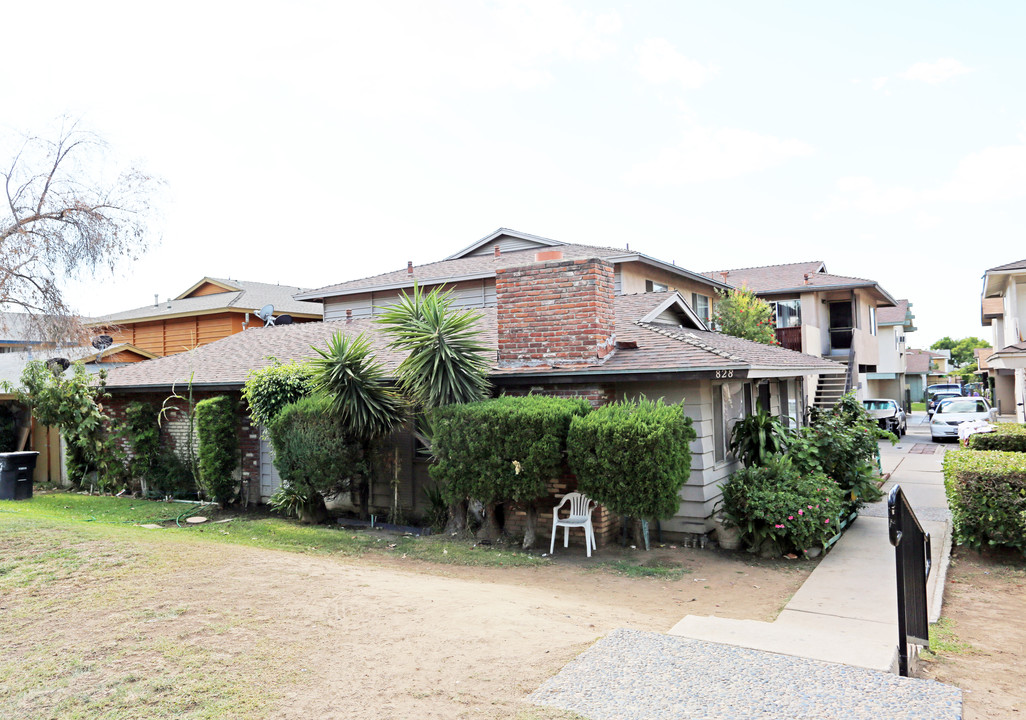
(209, 286)
(506, 240)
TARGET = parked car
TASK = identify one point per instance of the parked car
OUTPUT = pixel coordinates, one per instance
(943, 388)
(953, 411)
(888, 414)
(936, 400)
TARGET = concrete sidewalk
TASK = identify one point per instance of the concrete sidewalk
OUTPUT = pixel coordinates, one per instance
(846, 611)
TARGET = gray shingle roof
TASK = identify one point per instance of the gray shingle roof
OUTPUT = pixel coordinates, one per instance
(791, 277)
(249, 297)
(661, 348)
(893, 315)
(1017, 265)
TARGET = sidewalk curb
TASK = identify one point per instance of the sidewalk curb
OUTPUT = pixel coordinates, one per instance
(942, 574)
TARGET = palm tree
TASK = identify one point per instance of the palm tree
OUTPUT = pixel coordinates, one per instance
(361, 396)
(445, 364)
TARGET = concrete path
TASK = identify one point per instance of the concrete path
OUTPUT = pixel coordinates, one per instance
(831, 653)
(846, 611)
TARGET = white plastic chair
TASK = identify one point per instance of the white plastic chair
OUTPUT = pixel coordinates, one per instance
(581, 508)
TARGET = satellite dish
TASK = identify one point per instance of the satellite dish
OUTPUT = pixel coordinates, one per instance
(283, 320)
(58, 365)
(102, 342)
(266, 313)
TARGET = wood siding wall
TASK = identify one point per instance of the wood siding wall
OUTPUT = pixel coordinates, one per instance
(177, 335)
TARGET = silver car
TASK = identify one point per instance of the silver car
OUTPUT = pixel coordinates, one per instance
(888, 414)
(954, 411)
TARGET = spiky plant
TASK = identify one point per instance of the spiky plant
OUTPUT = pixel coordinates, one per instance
(361, 396)
(446, 362)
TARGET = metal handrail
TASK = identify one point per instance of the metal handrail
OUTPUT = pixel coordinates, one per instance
(849, 375)
(913, 562)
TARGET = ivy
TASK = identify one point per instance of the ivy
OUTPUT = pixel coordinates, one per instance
(218, 448)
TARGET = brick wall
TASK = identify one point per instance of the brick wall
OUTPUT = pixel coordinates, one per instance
(597, 394)
(558, 312)
(174, 430)
(605, 524)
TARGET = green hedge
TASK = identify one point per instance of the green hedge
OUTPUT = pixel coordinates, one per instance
(987, 496)
(504, 449)
(634, 458)
(1009, 437)
(218, 447)
(268, 390)
(313, 451)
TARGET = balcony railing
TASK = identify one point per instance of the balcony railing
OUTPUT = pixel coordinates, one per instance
(790, 338)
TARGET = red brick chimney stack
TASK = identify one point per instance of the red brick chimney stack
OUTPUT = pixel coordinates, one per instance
(409, 267)
(498, 252)
(555, 311)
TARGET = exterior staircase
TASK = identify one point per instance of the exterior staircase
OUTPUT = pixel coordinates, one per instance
(829, 390)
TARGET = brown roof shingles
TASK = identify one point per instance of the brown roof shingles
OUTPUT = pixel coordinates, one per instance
(893, 315)
(660, 348)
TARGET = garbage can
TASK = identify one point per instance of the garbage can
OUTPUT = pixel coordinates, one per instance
(16, 470)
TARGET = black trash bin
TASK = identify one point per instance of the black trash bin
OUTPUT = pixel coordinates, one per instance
(16, 470)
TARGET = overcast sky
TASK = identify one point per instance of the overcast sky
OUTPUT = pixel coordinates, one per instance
(312, 143)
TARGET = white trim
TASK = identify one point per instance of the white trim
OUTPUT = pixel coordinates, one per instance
(675, 300)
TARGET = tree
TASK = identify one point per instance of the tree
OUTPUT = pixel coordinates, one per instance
(742, 314)
(63, 215)
(961, 350)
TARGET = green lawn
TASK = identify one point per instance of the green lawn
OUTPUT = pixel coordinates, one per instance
(918, 407)
(257, 530)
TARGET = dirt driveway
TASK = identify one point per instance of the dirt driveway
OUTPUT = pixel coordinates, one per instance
(137, 628)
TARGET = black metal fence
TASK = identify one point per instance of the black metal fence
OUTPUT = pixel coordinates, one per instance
(912, 566)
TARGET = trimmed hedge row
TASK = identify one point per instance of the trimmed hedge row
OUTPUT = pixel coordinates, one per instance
(987, 495)
(1009, 437)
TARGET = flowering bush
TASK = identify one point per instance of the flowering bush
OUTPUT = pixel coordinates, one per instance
(779, 510)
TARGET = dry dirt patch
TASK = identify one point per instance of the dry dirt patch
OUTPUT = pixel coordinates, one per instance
(982, 643)
(288, 635)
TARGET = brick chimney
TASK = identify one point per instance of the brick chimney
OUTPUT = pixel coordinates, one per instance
(555, 312)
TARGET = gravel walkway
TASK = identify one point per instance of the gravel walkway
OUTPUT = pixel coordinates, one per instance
(632, 675)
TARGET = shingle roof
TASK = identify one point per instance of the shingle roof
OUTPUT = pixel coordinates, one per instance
(918, 361)
(250, 296)
(482, 266)
(12, 364)
(794, 277)
(896, 315)
(661, 348)
(1017, 265)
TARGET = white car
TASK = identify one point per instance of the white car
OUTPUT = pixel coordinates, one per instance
(953, 411)
(887, 414)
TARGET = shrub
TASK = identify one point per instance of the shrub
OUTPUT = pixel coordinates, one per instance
(218, 448)
(634, 458)
(504, 449)
(756, 438)
(268, 390)
(1008, 437)
(776, 504)
(987, 495)
(314, 452)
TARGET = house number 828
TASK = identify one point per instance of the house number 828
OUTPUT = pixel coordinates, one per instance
(724, 374)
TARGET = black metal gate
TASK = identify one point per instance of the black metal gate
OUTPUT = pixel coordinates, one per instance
(912, 566)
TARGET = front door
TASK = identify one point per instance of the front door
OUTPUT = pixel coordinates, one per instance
(842, 325)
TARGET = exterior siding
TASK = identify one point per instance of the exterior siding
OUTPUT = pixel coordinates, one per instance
(634, 275)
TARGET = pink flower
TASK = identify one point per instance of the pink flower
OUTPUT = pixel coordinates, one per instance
(827, 521)
(779, 526)
(801, 512)
(809, 507)
(790, 517)
(817, 507)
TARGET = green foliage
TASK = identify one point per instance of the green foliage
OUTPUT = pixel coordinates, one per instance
(987, 496)
(502, 449)
(742, 314)
(632, 457)
(8, 430)
(756, 438)
(289, 499)
(142, 433)
(269, 389)
(218, 447)
(357, 386)
(71, 400)
(776, 503)
(961, 349)
(313, 451)
(446, 362)
(842, 444)
(436, 513)
(1009, 437)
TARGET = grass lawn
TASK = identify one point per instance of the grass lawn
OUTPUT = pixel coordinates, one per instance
(259, 617)
(918, 407)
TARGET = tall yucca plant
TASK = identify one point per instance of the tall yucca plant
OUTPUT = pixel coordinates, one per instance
(445, 363)
(361, 396)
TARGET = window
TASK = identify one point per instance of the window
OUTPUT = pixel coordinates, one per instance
(787, 313)
(700, 304)
(872, 321)
(651, 286)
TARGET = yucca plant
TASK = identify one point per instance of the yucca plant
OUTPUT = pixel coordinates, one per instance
(446, 362)
(361, 396)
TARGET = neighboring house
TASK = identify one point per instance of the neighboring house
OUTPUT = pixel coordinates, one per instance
(889, 380)
(917, 370)
(209, 310)
(1003, 308)
(46, 440)
(18, 333)
(559, 322)
(830, 316)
